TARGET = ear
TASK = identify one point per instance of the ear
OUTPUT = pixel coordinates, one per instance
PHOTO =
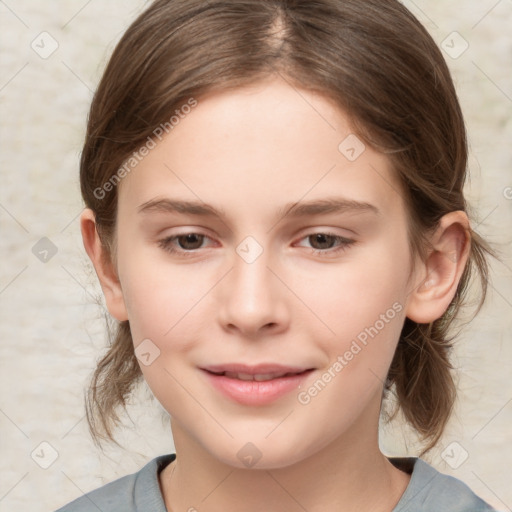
(439, 275)
(103, 265)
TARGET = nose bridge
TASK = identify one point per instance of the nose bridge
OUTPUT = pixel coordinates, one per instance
(251, 274)
(251, 296)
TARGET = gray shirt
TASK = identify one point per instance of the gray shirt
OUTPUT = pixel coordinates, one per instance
(428, 491)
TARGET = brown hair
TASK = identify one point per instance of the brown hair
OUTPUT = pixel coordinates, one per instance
(375, 60)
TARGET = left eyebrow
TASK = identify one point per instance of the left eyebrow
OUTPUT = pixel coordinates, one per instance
(295, 210)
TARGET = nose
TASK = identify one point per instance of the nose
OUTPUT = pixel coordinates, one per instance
(252, 298)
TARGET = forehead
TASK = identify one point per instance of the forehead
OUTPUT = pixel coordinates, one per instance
(262, 146)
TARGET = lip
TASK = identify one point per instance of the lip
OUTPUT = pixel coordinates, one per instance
(255, 369)
(252, 392)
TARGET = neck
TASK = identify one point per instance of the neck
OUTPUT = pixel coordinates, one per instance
(350, 474)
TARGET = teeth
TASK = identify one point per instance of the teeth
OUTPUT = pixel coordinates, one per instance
(258, 377)
(267, 376)
(242, 376)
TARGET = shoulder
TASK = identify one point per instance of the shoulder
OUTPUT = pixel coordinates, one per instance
(138, 492)
(430, 490)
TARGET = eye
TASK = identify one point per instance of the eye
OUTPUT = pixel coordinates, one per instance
(325, 242)
(187, 242)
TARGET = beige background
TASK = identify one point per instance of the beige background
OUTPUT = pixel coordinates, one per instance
(51, 329)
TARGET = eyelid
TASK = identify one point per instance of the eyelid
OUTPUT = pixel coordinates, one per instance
(165, 243)
(344, 243)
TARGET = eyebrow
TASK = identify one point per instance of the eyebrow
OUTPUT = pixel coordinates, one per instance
(294, 210)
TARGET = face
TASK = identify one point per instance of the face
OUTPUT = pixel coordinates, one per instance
(274, 320)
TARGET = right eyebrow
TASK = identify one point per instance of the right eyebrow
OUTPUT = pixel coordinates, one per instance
(177, 206)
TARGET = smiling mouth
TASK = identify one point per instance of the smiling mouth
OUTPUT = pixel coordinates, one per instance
(255, 385)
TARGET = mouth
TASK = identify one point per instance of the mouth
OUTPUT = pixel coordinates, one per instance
(255, 385)
(260, 377)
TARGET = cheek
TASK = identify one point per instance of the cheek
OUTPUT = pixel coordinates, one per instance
(365, 309)
(163, 304)
(160, 298)
(357, 293)
(363, 304)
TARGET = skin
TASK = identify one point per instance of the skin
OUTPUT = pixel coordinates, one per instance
(250, 152)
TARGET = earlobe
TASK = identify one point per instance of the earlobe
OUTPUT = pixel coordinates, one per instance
(439, 275)
(103, 266)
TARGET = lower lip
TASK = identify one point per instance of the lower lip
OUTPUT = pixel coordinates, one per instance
(252, 392)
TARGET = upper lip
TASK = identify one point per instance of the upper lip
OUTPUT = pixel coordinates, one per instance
(259, 369)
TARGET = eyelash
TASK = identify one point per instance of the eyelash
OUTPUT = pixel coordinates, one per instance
(345, 243)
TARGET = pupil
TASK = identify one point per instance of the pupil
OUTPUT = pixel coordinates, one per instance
(323, 239)
(190, 239)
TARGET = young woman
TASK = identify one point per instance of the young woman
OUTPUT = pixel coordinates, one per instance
(275, 212)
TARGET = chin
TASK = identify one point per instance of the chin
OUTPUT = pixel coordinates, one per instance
(264, 454)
